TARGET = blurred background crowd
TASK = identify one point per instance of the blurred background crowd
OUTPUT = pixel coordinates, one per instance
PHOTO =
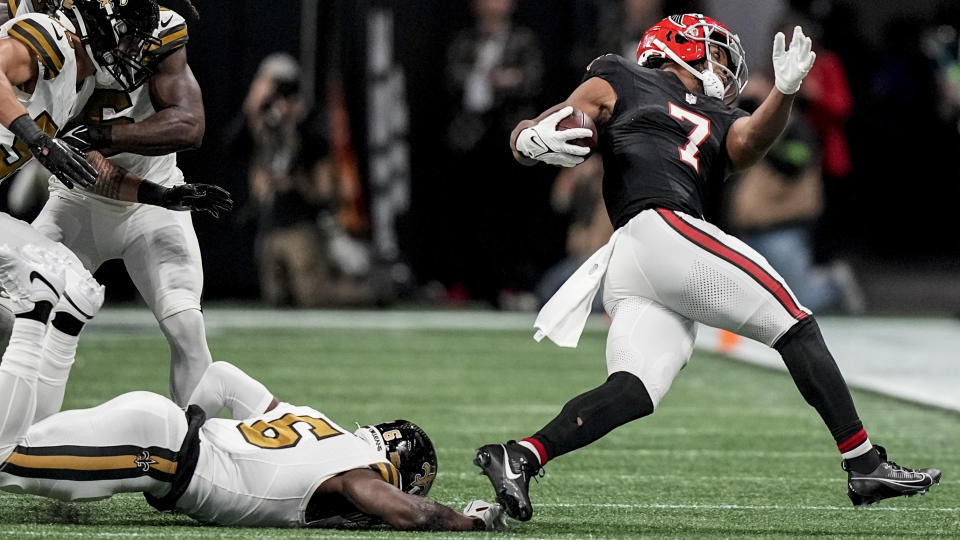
(366, 142)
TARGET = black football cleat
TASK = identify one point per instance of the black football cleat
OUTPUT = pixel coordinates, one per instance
(888, 480)
(509, 468)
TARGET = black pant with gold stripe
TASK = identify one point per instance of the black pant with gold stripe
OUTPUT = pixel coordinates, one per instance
(128, 444)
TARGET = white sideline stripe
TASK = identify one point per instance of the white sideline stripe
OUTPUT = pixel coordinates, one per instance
(230, 318)
(911, 359)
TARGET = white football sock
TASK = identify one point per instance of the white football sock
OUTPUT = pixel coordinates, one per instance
(18, 381)
(59, 351)
(189, 355)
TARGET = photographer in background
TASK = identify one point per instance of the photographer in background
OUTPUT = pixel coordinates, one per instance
(774, 207)
(294, 194)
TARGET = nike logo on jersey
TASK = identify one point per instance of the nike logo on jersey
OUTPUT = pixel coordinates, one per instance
(56, 32)
(36, 275)
(166, 23)
(508, 470)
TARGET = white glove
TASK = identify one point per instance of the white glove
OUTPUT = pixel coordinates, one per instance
(544, 143)
(492, 515)
(790, 67)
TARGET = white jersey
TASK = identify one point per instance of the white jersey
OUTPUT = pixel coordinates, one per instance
(109, 104)
(55, 98)
(262, 471)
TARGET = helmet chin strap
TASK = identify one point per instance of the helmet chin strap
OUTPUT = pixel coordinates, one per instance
(712, 84)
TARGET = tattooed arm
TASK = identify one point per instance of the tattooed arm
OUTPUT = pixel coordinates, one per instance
(115, 182)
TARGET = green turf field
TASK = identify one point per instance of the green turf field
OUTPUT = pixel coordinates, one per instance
(732, 452)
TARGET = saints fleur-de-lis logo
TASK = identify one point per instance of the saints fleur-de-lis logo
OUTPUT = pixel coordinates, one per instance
(144, 461)
(426, 479)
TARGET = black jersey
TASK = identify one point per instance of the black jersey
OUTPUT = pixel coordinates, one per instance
(663, 145)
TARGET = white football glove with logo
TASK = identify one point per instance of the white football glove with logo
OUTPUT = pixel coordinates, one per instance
(492, 515)
(543, 142)
(791, 66)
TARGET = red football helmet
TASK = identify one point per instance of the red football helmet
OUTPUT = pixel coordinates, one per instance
(687, 39)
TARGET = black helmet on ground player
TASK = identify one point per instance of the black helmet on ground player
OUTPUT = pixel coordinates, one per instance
(408, 448)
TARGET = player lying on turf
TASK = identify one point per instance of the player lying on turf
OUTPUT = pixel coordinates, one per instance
(667, 134)
(271, 464)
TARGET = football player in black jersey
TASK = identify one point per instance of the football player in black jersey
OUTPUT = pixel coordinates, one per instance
(666, 132)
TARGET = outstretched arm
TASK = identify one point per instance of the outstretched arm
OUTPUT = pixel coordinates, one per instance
(115, 182)
(749, 138)
(367, 491)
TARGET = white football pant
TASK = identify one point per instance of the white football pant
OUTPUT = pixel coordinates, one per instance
(669, 269)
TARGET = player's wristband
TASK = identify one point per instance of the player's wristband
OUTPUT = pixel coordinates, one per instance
(150, 193)
(27, 130)
(100, 136)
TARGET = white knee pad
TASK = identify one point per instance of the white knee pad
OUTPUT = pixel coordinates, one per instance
(649, 341)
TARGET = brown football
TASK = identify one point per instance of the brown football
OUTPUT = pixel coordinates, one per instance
(580, 120)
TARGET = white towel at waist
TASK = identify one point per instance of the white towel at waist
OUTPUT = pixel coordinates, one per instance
(563, 317)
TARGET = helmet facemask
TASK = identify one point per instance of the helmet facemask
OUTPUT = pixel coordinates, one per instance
(409, 450)
(733, 76)
(118, 34)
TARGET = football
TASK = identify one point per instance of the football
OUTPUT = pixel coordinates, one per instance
(578, 119)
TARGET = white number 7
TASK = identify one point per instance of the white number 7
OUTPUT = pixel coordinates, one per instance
(696, 136)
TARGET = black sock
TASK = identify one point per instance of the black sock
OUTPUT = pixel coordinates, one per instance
(819, 380)
(865, 463)
(67, 323)
(40, 312)
(595, 413)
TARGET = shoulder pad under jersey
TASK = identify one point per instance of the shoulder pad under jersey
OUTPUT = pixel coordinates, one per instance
(171, 34)
(20, 7)
(46, 38)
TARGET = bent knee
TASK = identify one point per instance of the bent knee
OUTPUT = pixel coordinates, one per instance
(633, 391)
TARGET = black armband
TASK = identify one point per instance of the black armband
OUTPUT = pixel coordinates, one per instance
(27, 130)
(150, 193)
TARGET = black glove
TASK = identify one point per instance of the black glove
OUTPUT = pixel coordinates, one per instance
(89, 137)
(193, 197)
(60, 158)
